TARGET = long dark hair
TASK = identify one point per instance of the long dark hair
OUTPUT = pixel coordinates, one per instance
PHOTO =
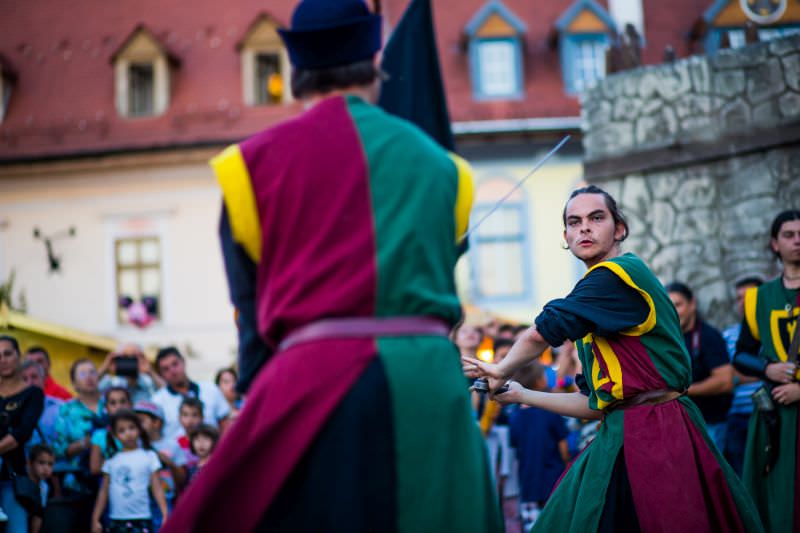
(611, 204)
(780, 220)
(125, 414)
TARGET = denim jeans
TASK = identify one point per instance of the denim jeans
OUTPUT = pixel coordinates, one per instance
(17, 515)
(736, 440)
(717, 433)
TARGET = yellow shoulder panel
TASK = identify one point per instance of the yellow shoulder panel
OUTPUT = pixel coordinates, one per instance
(240, 201)
(465, 195)
(750, 297)
(650, 322)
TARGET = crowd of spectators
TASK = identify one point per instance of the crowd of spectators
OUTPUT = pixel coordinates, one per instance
(115, 454)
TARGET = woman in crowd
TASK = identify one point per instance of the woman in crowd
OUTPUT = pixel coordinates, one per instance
(77, 419)
(20, 408)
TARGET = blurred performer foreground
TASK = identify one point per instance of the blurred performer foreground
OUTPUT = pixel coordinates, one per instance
(652, 466)
(340, 235)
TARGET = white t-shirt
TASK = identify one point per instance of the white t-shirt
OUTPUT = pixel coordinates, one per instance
(215, 408)
(129, 483)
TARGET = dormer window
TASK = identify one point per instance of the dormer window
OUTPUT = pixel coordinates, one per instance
(494, 39)
(143, 67)
(582, 34)
(265, 64)
(8, 79)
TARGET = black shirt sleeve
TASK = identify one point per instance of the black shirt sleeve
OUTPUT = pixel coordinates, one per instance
(600, 303)
(240, 271)
(746, 342)
(28, 415)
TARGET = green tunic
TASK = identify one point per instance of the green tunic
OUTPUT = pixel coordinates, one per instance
(772, 324)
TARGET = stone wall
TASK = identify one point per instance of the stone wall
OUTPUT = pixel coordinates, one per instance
(702, 154)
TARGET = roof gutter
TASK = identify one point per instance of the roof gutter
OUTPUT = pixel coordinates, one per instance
(517, 125)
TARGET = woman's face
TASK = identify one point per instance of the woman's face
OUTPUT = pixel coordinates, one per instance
(227, 384)
(85, 379)
(9, 359)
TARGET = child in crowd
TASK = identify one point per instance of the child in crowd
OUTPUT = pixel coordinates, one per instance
(116, 398)
(173, 473)
(540, 438)
(203, 439)
(40, 469)
(190, 417)
(127, 474)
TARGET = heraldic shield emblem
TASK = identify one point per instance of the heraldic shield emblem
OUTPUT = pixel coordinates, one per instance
(763, 11)
(783, 324)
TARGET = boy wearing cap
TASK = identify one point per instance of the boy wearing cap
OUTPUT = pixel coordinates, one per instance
(340, 234)
(173, 473)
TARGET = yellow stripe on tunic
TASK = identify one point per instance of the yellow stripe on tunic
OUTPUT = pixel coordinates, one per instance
(240, 201)
(465, 195)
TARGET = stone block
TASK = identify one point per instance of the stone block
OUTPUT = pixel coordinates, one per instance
(613, 138)
(789, 105)
(700, 73)
(693, 105)
(766, 114)
(729, 83)
(662, 221)
(696, 191)
(665, 184)
(635, 197)
(693, 223)
(785, 45)
(598, 113)
(658, 128)
(667, 81)
(749, 181)
(749, 56)
(765, 81)
(627, 109)
(734, 116)
(791, 71)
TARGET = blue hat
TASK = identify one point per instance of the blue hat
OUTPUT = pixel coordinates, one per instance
(330, 33)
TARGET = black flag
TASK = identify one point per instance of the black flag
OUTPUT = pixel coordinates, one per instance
(414, 89)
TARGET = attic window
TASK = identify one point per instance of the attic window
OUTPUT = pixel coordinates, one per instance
(582, 32)
(265, 64)
(143, 69)
(495, 53)
(141, 89)
(7, 80)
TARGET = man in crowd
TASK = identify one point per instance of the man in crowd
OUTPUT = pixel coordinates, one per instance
(51, 387)
(172, 368)
(743, 386)
(767, 349)
(341, 232)
(712, 372)
(138, 378)
(34, 375)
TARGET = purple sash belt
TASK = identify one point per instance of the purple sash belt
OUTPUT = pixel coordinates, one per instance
(365, 327)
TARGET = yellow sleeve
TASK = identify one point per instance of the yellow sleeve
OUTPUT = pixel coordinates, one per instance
(240, 201)
(465, 195)
(750, 297)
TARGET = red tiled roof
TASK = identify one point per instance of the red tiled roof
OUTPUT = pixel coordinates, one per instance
(63, 102)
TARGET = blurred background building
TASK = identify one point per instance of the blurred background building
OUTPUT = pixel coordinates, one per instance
(110, 111)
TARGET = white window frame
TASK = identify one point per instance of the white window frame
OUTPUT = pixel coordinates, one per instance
(263, 39)
(142, 50)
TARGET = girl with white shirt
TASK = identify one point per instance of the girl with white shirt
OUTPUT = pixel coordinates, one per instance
(127, 475)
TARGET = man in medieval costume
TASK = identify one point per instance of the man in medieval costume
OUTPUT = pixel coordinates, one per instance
(340, 233)
(768, 348)
(652, 466)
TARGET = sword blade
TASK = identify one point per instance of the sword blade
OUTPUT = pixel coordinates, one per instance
(519, 184)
